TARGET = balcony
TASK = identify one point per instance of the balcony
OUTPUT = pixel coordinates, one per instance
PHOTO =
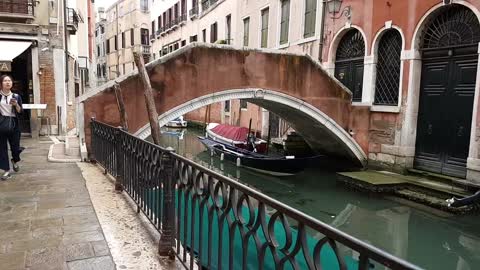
(193, 13)
(182, 19)
(72, 20)
(17, 11)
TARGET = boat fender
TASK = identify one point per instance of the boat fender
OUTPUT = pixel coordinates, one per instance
(222, 156)
(239, 162)
(289, 157)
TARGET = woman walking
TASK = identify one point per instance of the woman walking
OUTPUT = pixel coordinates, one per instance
(10, 108)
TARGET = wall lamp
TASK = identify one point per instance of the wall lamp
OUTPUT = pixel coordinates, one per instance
(334, 7)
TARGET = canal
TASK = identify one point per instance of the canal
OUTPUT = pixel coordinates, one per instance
(428, 238)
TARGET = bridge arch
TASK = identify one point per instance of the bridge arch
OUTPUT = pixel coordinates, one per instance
(322, 133)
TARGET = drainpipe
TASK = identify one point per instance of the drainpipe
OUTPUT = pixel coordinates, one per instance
(65, 33)
(322, 30)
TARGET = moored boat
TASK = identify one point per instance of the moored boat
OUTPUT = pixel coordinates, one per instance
(178, 122)
(235, 136)
(278, 166)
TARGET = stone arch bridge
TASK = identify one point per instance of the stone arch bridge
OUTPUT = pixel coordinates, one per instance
(295, 87)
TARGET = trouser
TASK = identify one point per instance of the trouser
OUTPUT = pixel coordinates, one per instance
(14, 140)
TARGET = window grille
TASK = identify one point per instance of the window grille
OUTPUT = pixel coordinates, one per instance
(455, 26)
(388, 68)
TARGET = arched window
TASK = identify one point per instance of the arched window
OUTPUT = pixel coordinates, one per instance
(388, 68)
(349, 62)
(456, 25)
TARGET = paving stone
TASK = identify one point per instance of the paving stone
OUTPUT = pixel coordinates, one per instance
(46, 222)
(13, 260)
(79, 219)
(47, 232)
(86, 227)
(54, 256)
(79, 251)
(97, 263)
(14, 226)
(100, 248)
(81, 237)
(51, 204)
(27, 245)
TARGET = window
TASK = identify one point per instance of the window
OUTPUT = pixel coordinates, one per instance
(213, 32)
(284, 21)
(159, 24)
(264, 39)
(108, 46)
(116, 42)
(204, 35)
(132, 37)
(176, 12)
(388, 68)
(193, 39)
(144, 36)
(170, 16)
(310, 18)
(123, 40)
(104, 70)
(228, 34)
(175, 46)
(243, 104)
(98, 71)
(98, 51)
(227, 106)
(165, 20)
(102, 29)
(246, 30)
(144, 5)
(184, 9)
(124, 70)
(184, 42)
(96, 33)
(153, 27)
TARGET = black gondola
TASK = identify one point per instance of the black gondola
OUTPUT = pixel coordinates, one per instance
(279, 166)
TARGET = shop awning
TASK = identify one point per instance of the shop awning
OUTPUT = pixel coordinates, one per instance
(11, 49)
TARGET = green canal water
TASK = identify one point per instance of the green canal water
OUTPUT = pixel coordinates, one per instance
(428, 238)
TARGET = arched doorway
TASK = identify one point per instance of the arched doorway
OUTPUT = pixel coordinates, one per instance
(449, 70)
(349, 62)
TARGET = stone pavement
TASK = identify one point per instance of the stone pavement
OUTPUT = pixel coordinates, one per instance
(47, 220)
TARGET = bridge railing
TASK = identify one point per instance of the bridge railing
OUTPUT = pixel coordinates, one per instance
(210, 221)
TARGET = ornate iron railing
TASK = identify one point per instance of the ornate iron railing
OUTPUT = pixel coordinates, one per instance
(210, 221)
(25, 7)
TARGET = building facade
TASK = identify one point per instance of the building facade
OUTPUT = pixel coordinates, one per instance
(416, 71)
(127, 31)
(35, 43)
(100, 49)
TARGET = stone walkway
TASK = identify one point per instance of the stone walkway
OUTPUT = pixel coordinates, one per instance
(47, 220)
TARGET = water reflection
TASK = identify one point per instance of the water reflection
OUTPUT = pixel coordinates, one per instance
(427, 239)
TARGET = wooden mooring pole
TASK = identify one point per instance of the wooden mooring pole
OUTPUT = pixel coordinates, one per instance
(167, 228)
(121, 106)
(150, 102)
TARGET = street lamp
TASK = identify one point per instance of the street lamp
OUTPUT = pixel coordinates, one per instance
(334, 8)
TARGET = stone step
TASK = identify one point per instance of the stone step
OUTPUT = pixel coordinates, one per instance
(72, 146)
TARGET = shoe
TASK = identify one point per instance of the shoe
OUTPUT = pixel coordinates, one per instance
(16, 168)
(6, 176)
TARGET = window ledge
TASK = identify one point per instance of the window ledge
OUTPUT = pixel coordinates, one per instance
(359, 104)
(283, 46)
(306, 40)
(383, 108)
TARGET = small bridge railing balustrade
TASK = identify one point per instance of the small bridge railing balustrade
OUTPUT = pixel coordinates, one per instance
(210, 221)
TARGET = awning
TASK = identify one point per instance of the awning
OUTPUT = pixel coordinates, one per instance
(11, 49)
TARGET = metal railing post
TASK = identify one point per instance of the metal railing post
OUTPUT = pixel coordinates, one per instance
(168, 231)
(118, 160)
